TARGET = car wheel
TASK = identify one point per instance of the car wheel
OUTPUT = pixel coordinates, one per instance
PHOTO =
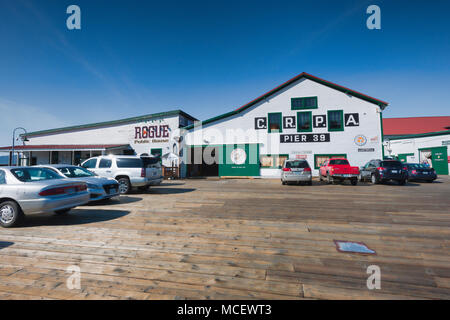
(360, 178)
(62, 212)
(374, 179)
(354, 182)
(124, 185)
(10, 214)
(329, 179)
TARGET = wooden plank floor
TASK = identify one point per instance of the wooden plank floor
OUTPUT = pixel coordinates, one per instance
(237, 239)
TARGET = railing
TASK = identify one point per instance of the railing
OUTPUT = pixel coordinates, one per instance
(171, 172)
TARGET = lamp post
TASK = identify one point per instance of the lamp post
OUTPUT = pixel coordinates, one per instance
(11, 158)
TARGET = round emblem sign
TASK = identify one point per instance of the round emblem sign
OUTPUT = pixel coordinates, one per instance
(238, 156)
(360, 140)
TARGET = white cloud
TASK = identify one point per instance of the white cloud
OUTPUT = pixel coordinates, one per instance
(32, 118)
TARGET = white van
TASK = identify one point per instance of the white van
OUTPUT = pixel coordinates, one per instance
(129, 171)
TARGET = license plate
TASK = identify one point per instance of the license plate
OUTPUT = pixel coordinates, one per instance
(347, 175)
(394, 171)
(425, 172)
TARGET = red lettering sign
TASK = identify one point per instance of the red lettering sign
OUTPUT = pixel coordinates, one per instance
(157, 131)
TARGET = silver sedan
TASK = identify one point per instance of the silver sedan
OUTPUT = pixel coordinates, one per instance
(32, 190)
(98, 187)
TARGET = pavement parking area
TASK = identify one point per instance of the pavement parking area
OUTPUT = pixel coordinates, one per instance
(237, 239)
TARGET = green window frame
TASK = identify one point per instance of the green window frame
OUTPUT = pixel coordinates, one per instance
(155, 151)
(299, 118)
(329, 155)
(303, 103)
(280, 119)
(330, 120)
(274, 157)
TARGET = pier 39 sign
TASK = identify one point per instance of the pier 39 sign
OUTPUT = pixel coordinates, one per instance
(318, 121)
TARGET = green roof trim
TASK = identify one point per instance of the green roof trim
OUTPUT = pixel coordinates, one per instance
(418, 135)
(380, 103)
(112, 123)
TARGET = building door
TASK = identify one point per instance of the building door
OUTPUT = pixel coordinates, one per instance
(438, 158)
(203, 161)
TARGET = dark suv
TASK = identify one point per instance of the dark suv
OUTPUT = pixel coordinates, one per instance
(379, 171)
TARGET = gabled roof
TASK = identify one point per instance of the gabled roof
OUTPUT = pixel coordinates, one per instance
(415, 125)
(305, 75)
(112, 123)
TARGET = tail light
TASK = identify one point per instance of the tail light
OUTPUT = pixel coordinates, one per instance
(381, 169)
(405, 168)
(62, 190)
(414, 172)
(143, 173)
(286, 169)
(307, 170)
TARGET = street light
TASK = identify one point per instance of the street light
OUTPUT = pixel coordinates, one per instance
(14, 138)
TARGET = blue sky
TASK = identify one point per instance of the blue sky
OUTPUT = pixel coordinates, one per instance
(209, 57)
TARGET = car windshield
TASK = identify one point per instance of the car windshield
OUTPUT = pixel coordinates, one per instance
(339, 161)
(296, 164)
(391, 164)
(76, 172)
(414, 166)
(34, 174)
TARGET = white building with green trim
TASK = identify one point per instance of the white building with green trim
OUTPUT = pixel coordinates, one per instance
(431, 148)
(303, 118)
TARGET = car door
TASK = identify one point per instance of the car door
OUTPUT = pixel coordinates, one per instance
(104, 168)
(365, 172)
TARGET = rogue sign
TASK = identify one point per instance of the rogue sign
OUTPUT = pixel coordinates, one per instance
(306, 137)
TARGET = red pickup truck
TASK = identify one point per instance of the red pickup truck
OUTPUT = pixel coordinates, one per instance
(338, 169)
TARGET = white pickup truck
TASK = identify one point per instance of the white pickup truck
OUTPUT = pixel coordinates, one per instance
(129, 171)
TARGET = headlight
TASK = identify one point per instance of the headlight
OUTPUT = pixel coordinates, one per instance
(92, 186)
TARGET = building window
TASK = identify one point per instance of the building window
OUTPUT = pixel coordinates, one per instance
(335, 120)
(273, 161)
(319, 159)
(304, 121)
(55, 157)
(304, 103)
(274, 122)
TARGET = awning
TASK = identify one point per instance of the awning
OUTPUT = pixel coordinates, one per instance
(67, 147)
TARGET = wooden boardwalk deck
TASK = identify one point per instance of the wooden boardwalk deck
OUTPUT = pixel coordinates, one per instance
(237, 239)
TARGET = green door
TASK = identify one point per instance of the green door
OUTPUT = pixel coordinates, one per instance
(239, 160)
(439, 160)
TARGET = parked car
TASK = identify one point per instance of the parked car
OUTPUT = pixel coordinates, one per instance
(99, 188)
(379, 171)
(129, 171)
(296, 171)
(338, 169)
(419, 172)
(31, 190)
